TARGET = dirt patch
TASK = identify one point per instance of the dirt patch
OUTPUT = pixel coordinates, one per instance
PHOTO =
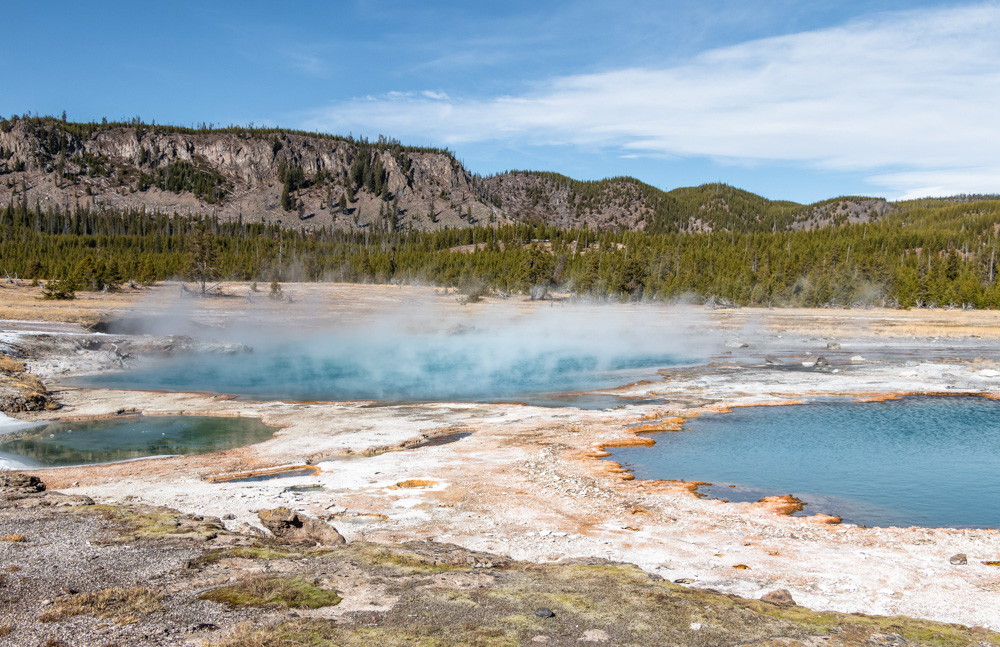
(83, 590)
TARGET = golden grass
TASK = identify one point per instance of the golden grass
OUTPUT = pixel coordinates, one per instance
(14, 538)
(284, 634)
(124, 606)
(30, 384)
(10, 366)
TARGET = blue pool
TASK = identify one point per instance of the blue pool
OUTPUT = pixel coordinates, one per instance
(916, 461)
(417, 368)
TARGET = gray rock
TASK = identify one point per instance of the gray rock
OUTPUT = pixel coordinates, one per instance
(18, 483)
(779, 597)
(292, 526)
(244, 528)
(960, 559)
(737, 344)
(545, 613)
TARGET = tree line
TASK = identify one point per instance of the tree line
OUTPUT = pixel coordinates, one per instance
(934, 253)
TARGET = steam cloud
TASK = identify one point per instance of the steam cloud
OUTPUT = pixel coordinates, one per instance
(421, 351)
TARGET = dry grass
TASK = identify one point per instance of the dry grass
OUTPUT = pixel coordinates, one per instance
(851, 323)
(265, 591)
(14, 538)
(30, 384)
(285, 634)
(124, 606)
(25, 303)
(10, 366)
(6, 628)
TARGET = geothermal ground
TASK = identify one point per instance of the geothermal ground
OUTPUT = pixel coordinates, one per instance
(527, 483)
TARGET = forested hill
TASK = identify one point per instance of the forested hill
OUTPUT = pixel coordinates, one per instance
(624, 203)
(314, 181)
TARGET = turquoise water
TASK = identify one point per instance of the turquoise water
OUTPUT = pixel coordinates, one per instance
(928, 461)
(102, 441)
(422, 369)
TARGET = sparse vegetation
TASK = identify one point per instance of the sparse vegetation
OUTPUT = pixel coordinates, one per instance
(124, 606)
(15, 537)
(428, 594)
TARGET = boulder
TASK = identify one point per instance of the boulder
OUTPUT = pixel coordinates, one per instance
(299, 528)
(18, 483)
(959, 560)
(780, 597)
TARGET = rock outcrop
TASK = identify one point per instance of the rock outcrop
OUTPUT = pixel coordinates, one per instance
(13, 483)
(298, 528)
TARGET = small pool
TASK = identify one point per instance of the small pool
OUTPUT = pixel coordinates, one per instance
(916, 461)
(59, 444)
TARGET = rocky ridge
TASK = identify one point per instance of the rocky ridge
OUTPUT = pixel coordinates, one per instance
(312, 180)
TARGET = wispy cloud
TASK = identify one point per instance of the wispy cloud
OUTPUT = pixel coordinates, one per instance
(908, 97)
(306, 59)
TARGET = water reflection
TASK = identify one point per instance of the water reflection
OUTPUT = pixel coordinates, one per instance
(101, 441)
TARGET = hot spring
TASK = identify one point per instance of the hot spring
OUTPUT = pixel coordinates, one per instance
(535, 359)
(915, 461)
(58, 444)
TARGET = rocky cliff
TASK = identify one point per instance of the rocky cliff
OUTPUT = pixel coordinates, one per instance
(314, 180)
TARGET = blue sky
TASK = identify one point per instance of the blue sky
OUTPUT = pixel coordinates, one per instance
(793, 100)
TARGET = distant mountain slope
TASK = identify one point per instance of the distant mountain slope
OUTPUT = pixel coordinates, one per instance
(312, 180)
(627, 203)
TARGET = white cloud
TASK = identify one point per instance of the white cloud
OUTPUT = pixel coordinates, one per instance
(908, 97)
(908, 185)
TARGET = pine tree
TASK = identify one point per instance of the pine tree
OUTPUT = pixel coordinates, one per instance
(202, 258)
(146, 274)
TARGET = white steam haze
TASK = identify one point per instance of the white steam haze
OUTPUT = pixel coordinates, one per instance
(423, 350)
(908, 98)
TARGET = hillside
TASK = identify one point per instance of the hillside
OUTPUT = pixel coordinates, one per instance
(261, 175)
(312, 180)
(626, 203)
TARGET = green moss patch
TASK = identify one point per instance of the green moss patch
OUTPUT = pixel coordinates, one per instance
(141, 521)
(265, 591)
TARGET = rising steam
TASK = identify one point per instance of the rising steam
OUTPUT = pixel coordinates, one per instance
(423, 351)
